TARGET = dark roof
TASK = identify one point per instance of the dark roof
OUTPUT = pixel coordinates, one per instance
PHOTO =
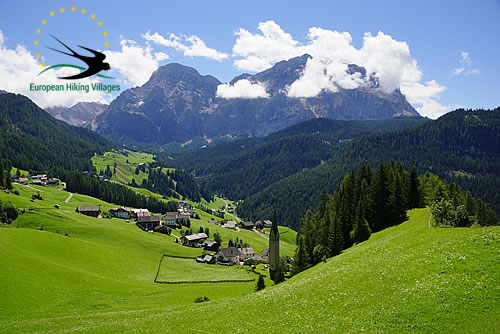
(230, 252)
(89, 209)
(148, 219)
(210, 243)
(247, 224)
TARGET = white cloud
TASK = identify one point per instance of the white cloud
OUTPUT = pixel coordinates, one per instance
(134, 62)
(18, 68)
(384, 58)
(425, 95)
(261, 51)
(242, 89)
(196, 47)
(465, 59)
(458, 70)
(466, 65)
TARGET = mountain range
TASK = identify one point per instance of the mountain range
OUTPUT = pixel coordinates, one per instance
(178, 104)
(81, 114)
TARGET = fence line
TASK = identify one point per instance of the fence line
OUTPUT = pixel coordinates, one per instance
(194, 282)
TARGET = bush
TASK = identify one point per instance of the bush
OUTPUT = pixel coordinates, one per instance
(261, 285)
(8, 213)
(36, 196)
(201, 299)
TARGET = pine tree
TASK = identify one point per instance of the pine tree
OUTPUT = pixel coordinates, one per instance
(336, 244)
(8, 181)
(414, 193)
(2, 177)
(301, 260)
(310, 233)
(378, 199)
(361, 230)
(396, 202)
(261, 284)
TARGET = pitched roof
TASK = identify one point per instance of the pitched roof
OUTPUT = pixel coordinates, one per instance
(148, 219)
(170, 215)
(246, 251)
(123, 208)
(210, 243)
(89, 208)
(230, 223)
(197, 236)
(247, 224)
(230, 252)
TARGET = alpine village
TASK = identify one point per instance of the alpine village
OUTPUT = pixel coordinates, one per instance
(173, 208)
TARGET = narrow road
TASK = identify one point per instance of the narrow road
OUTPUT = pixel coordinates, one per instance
(266, 237)
(69, 197)
(32, 188)
(229, 214)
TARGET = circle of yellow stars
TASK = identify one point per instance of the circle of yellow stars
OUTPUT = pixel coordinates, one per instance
(61, 11)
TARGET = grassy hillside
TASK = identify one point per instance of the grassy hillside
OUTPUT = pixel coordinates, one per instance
(407, 278)
(125, 168)
(57, 262)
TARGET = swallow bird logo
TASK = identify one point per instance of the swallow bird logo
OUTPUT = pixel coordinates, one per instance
(94, 64)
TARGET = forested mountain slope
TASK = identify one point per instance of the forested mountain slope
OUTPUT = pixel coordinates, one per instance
(462, 146)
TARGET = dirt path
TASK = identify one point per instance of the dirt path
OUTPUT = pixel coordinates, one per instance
(69, 197)
(429, 220)
(32, 188)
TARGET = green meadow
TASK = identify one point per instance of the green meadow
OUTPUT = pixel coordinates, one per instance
(125, 168)
(407, 278)
(192, 271)
(57, 262)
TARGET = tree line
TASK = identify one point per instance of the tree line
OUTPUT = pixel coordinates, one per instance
(112, 192)
(367, 202)
(462, 146)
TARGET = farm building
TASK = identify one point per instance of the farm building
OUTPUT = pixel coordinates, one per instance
(149, 222)
(247, 225)
(211, 245)
(92, 211)
(122, 212)
(230, 254)
(231, 224)
(194, 240)
(246, 253)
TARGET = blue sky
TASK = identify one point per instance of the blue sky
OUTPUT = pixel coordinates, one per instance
(452, 57)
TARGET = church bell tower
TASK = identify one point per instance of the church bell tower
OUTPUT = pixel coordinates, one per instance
(274, 249)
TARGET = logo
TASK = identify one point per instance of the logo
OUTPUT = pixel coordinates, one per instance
(95, 64)
(91, 63)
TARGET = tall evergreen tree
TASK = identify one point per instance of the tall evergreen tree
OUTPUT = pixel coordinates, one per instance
(2, 177)
(377, 202)
(414, 193)
(337, 238)
(310, 232)
(8, 180)
(301, 260)
(361, 230)
(397, 202)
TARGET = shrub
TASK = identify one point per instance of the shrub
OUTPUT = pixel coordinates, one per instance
(201, 299)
